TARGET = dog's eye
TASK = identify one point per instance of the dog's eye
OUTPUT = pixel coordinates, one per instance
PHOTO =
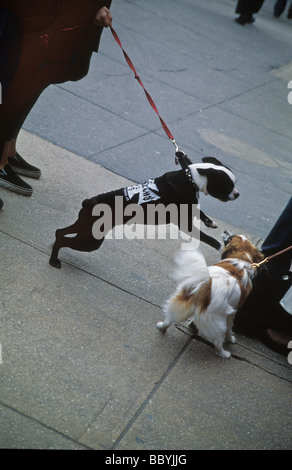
(228, 240)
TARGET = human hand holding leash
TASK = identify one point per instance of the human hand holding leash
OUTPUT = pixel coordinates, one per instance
(103, 18)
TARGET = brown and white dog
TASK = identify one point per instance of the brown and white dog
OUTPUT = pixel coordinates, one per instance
(210, 296)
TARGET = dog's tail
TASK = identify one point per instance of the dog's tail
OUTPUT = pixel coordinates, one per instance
(192, 274)
(89, 203)
(190, 268)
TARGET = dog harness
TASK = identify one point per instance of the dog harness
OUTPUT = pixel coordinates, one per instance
(175, 187)
(142, 193)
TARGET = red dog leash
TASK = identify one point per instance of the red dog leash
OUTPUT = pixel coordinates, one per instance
(46, 38)
(257, 265)
(152, 104)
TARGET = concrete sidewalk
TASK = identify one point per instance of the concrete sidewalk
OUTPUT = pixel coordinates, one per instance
(221, 88)
(84, 365)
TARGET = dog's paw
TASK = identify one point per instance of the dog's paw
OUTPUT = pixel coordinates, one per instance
(224, 354)
(230, 339)
(56, 263)
(162, 326)
(233, 339)
(213, 225)
(210, 223)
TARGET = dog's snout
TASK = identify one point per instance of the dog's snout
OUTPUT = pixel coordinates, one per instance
(227, 237)
(234, 195)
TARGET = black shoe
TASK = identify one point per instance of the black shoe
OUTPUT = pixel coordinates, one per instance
(1, 204)
(21, 167)
(242, 19)
(250, 19)
(279, 7)
(277, 340)
(9, 180)
(277, 14)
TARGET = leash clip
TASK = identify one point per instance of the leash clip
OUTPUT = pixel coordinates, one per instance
(182, 159)
(176, 147)
(257, 265)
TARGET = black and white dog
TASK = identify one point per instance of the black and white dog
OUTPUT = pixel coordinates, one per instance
(180, 188)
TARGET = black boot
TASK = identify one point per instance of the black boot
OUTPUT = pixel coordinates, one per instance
(243, 19)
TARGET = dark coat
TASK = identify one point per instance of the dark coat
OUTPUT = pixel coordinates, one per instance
(248, 7)
(49, 41)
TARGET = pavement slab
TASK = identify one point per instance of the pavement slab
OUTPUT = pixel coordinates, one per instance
(83, 364)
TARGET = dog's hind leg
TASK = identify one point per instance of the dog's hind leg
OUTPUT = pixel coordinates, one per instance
(217, 338)
(220, 351)
(77, 242)
(229, 337)
(163, 325)
(61, 241)
(171, 314)
(168, 319)
(54, 260)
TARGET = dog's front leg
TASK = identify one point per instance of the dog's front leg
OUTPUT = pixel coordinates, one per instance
(186, 225)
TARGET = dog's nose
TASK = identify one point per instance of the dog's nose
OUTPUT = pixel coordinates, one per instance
(233, 195)
(227, 237)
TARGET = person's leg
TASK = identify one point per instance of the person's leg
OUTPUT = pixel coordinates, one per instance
(262, 309)
(279, 7)
(246, 8)
(12, 109)
(280, 237)
(8, 179)
(289, 14)
(20, 97)
(18, 164)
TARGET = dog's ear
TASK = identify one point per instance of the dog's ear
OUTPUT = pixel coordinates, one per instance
(212, 160)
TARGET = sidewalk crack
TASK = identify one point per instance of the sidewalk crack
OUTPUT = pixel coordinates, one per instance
(150, 395)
